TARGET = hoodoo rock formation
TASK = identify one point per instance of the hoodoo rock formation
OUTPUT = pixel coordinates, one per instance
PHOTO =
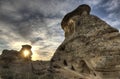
(26, 52)
(91, 49)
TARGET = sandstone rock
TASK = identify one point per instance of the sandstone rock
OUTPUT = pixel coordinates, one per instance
(9, 54)
(90, 49)
(7, 57)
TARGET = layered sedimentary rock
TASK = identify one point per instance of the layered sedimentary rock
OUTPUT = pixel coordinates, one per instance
(91, 49)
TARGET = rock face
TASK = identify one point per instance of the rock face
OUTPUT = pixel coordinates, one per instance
(90, 49)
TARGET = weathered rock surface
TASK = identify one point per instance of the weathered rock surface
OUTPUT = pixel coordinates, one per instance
(91, 49)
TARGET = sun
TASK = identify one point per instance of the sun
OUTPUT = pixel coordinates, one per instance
(26, 53)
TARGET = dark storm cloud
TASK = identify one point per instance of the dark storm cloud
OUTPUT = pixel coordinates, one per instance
(37, 22)
(21, 12)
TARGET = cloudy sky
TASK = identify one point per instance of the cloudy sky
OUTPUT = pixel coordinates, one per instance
(37, 22)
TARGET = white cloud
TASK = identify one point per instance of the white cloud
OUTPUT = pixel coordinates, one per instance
(92, 2)
(112, 20)
(112, 5)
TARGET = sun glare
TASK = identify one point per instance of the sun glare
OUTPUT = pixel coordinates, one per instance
(26, 53)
